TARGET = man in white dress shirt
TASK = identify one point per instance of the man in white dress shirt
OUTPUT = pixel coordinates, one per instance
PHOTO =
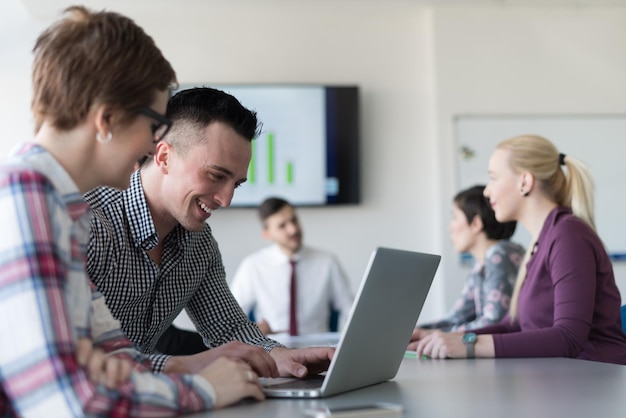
(262, 281)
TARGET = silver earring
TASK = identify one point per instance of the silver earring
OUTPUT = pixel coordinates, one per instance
(104, 140)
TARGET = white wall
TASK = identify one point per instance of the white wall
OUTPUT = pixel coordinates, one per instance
(417, 67)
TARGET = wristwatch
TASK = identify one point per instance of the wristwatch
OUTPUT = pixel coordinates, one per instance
(469, 339)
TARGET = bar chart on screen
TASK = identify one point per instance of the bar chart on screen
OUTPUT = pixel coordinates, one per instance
(289, 156)
(282, 165)
(271, 170)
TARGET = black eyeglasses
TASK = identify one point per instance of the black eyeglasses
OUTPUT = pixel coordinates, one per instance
(158, 129)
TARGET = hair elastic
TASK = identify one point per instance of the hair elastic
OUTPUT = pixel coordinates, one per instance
(561, 159)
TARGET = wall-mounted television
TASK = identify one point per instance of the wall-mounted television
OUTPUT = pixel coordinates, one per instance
(308, 149)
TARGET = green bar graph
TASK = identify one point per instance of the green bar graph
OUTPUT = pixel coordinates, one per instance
(270, 174)
(289, 172)
(270, 158)
(252, 166)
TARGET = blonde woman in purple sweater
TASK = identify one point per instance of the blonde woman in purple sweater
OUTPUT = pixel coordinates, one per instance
(565, 302)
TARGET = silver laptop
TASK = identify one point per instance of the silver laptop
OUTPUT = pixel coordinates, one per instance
(378, 329)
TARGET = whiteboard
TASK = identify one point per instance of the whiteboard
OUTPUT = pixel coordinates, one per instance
(597, 140)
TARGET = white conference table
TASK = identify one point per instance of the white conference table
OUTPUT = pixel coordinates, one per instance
(480, 388)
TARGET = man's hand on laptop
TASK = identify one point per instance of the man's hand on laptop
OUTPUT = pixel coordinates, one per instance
(303, 361)
(262, 363)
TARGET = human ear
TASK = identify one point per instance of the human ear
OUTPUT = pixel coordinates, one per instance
(477, 224)
(528, 181)
(162, 156)
(102, 120)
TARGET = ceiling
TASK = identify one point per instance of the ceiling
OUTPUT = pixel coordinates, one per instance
(49, 9)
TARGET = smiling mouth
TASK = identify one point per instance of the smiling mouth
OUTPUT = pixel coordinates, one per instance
(204, 207)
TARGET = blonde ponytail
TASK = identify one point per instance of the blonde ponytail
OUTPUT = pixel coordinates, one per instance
(581, 191)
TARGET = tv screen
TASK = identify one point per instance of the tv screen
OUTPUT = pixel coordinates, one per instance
(308, 149)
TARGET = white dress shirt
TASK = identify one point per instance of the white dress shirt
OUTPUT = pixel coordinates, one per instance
(262, 283)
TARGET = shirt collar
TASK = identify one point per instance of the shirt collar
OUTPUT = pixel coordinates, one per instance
(142, 229)
(140, 221)
(280, 255)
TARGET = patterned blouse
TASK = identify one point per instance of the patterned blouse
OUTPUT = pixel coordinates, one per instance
(487, 292)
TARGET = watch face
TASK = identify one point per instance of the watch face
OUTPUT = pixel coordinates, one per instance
(470, 337)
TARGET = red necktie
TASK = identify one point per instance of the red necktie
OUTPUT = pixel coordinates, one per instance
(293, 323)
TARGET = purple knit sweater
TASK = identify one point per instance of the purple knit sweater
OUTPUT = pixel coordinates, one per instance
(569, 305)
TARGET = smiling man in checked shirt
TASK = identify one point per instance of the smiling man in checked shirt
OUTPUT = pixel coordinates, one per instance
(152, 254)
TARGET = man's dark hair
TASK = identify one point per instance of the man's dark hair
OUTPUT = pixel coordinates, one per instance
(472, 202)
(199, 106)
(270, 206)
